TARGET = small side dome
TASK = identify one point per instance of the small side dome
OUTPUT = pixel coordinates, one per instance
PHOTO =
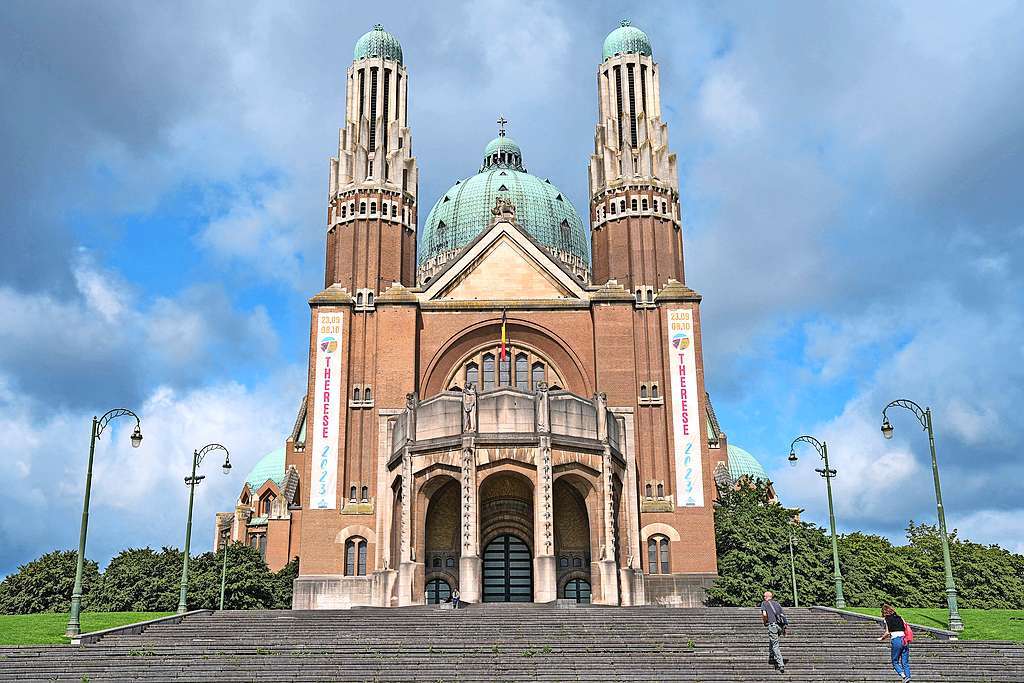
(742, 463)
(378, 43)
(270, 466)
(626, 39)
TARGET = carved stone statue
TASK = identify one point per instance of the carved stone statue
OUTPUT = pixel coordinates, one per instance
(503, 208)
(601, 406)
(410, 416)
(469, 408)
(542, 406)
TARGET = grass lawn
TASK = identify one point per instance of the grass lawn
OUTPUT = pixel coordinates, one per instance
(979, 624)
(46, 629)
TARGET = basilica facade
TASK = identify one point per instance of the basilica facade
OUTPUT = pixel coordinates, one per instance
(510, 400)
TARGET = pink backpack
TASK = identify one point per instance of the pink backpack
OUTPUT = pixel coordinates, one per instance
(908, 633)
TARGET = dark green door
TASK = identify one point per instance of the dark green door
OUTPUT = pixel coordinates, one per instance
(508, 570)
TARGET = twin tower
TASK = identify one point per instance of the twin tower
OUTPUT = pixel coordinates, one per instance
(635, 235)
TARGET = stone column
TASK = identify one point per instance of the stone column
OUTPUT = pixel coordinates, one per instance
(545, 567)
(470, 565)
(407, 568)
(608, 566)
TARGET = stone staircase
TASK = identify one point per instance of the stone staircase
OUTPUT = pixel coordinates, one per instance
(505, 642)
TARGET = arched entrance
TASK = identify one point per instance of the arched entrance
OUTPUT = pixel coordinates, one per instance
(578, 590)
(508, 570)
(441, 551)
(438, 591)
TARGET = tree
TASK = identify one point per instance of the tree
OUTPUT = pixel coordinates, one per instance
(752, 535)
(285, 580)
(249, 583)
(45, 584)
(140, 580)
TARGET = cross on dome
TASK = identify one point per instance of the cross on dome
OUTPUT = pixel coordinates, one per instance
(501, 125)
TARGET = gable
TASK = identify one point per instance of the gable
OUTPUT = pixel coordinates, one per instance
(503, 271)
(504, 264)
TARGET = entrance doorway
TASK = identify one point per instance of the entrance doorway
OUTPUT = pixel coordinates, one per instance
(508, 570)
(438, 591)
(578, 590)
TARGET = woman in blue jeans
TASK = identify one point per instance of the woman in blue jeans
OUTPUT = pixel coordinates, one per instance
(894, 631)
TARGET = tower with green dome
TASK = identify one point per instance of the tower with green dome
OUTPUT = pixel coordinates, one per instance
(374, 179)
(541, 209)
(634, 183)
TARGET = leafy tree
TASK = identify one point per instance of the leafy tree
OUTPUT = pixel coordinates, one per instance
(45, 584)
(139, 580)
(752, 535)
(249, 583)
(285, 578)
(875, 572)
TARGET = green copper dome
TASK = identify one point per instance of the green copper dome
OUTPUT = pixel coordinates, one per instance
(742, 463)
(270, 466)
(464, 211)
(378, 43)
(626, 39)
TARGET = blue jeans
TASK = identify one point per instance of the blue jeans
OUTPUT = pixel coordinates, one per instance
(900, 656)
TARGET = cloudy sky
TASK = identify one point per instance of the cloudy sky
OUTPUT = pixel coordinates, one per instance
(851, 181)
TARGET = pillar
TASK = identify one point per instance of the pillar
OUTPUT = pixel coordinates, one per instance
(470, 565)
(545, 572)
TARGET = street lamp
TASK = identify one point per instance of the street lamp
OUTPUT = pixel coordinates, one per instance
(197, 459)
(828, 474)
(924, 416)
(224, 574)
(74, 627)
(792, 568)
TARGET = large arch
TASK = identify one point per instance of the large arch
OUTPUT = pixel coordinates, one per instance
(548, 343)
(574, 531)
(441, 547)
(506, 535)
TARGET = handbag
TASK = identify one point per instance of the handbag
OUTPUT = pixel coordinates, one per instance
(908, 633)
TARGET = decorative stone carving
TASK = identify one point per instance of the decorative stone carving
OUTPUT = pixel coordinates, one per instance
(546, 494)
(469, 421)
(410, 416)
(601, 406)
(542, 406)
(467, 499)
(503, 208)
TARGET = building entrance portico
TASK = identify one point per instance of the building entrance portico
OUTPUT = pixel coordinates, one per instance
(513, 496)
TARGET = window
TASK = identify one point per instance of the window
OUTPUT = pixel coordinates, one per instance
(344, 210)
(357, 394)
(661, 490)
(394, 210)
(622, 205)
(643, 203)
(373, 208)
(367, 396)
(563, 562)
(650, 295)
(538, 373)
(663, 209)
(643, 392)
(437, 563)
(267, 500)
(263, 546)
(648, 490)
(632, 204)
(362, 208)
(488, 371)
(577, 590)
(472, 374)
(365, 494)
(577, 562)
(450, 562)
(657, 555)
(505, 371)
(373, 109)
(359, 298)
(355, 556)
(522, 372)
(654, 391)
(405, 179)
(438, 591)
(613, 208)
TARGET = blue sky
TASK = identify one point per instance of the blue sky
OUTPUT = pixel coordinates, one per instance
(853, 217)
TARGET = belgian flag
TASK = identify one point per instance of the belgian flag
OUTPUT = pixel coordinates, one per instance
(503, 352)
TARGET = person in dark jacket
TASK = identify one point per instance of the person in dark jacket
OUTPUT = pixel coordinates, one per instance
(900, 650)
(774, 619)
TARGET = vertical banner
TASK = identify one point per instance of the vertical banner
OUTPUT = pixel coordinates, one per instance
(327, 399)
(685, 413)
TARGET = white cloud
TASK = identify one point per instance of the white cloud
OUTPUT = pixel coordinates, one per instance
(724, 105)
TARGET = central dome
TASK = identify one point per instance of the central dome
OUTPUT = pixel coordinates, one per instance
(542, 210)
(626, 39)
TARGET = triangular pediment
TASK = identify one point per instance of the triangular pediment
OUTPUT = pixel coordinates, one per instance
(504, 264)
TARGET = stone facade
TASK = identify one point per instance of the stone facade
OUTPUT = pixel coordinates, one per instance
(553, 473)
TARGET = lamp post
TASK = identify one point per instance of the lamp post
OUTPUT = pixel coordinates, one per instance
(792, 569)
(924, 416)
(827, 474)
(98, 425)
(197, 460)
(223, 576)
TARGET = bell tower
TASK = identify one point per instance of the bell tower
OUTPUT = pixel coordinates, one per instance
(634, 187)
(371, 213)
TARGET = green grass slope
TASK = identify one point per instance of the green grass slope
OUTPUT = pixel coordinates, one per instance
(979, 624)
(48, 628)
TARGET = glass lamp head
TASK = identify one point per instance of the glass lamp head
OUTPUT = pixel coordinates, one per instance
(136, 437)
(886, 428)
(792, 458)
